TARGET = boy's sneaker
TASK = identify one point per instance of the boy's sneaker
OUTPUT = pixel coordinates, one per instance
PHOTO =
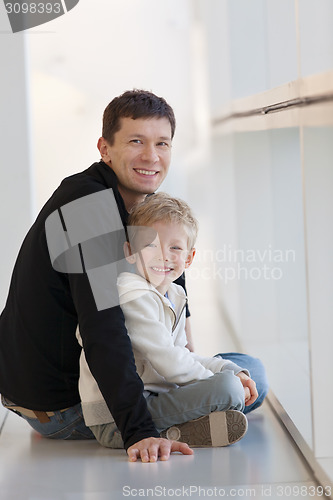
(219, 428)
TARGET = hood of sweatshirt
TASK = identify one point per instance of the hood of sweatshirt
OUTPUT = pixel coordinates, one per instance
(131, 286)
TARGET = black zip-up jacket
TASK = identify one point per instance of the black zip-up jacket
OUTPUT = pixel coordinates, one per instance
(39, 352)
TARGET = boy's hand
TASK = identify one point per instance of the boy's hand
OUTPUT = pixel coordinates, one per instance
(151, 448)
(247, 394)
(250, 389)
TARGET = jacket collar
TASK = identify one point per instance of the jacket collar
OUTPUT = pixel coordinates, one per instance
(106, 176)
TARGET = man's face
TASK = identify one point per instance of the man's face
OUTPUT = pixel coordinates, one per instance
(139, 156)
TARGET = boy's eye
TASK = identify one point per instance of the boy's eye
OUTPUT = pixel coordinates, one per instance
(176, 248)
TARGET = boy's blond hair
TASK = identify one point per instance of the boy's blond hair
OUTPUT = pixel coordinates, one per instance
(161, 207)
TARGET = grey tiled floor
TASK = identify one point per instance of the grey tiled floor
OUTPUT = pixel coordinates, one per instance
(264, 464)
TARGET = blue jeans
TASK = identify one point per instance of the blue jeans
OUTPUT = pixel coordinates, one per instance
(173, 407)
(257, 372)
(68, 424)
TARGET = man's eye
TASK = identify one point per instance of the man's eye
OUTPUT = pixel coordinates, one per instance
(136, 141)
(176, 248)
(163, 144)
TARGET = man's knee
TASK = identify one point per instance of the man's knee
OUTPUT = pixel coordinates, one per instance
(260, 378)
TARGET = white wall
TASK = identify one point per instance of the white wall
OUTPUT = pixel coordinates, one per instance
(272, 190)
(15, 164)
(318, 178)
(89, 56)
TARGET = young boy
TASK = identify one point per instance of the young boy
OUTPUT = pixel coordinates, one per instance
(162, 233)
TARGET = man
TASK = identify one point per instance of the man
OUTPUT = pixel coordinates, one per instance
(50, 295)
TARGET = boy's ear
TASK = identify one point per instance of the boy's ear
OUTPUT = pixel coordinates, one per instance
(190, 258)
(131, 258)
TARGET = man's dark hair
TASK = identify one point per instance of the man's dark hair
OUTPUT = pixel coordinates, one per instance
(135, 104)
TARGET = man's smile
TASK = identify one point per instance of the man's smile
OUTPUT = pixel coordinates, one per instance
(146, 172)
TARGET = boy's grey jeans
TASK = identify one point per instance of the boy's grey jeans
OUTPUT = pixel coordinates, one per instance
(223, 391)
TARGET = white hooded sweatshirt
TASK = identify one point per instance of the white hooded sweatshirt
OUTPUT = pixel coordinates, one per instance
(156, 326)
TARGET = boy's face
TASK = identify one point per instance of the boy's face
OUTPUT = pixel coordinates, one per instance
(163, 259)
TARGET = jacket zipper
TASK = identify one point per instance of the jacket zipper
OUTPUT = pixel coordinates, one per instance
(179, 316)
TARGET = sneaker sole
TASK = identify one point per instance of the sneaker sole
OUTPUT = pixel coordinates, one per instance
(220, 428)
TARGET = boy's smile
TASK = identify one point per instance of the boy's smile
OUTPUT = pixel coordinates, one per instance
(164, 259)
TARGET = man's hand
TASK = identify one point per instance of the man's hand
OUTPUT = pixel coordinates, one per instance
(250, 389)
(151, 448)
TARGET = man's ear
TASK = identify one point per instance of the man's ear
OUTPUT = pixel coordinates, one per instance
(103, 147)
(129, 256)
(190, 258)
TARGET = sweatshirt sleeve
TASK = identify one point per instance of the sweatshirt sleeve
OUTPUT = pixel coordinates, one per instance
(218, 364)
(155, 342)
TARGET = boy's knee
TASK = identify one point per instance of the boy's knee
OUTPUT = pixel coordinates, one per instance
(232, 389)
(107, 435)
(236, 391)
